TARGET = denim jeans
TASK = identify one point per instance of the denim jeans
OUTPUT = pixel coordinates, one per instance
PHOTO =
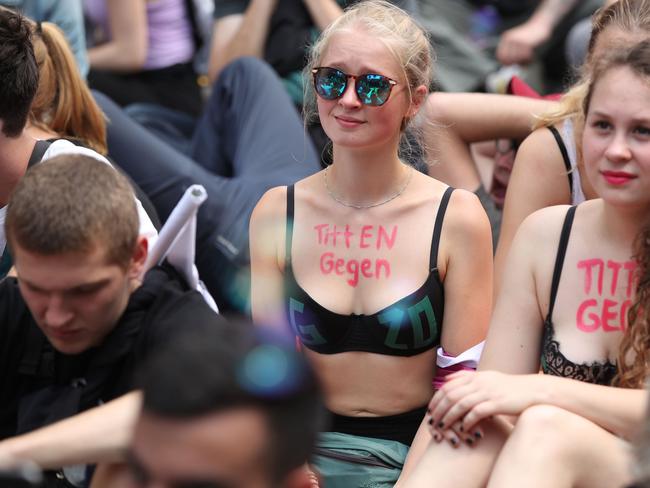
(250, 138)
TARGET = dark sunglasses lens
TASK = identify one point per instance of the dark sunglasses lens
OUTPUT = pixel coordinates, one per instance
(330, 83)
(373, 89)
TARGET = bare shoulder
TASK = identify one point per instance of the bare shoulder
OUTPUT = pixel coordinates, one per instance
(541, 153)
(465, 215)
(543, 227)
(545, 219)
(534, 249)
(271, 205)
(466, 229)
(268, 219)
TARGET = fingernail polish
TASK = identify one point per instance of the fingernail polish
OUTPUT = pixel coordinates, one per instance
(469, 440)
(441, 425)
(454, 441)
(478, 435)
(430, 421)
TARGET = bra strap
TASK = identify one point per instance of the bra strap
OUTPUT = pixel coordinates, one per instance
(559, 259)
(565, 154)
(437, 228)
(289, 226)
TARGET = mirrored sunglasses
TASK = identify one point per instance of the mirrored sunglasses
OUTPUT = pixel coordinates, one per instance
(371, 89)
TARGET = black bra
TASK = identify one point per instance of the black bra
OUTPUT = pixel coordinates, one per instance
(411, 325)
(553, 361)
(565, 155)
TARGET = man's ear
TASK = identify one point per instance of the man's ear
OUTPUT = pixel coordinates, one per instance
(139, 257)
(419, 95)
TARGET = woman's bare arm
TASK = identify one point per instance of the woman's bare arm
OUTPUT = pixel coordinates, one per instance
(267, 236)
(466, 248)
(539, 179)
(455, 120)
(127, 48)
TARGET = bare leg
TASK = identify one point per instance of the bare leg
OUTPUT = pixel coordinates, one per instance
(461, 467)
(553, 447)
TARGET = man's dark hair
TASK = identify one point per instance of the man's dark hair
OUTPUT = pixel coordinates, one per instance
(236, 367)
(18, 71)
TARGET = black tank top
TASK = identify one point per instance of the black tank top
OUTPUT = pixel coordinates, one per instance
(410, 326)
(553, 361)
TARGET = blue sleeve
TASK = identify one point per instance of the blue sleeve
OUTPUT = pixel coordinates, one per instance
(68, 15)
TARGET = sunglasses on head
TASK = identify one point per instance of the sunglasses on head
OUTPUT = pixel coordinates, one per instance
(371, 89)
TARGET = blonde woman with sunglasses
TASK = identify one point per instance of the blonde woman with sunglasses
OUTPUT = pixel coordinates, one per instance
(366, 260)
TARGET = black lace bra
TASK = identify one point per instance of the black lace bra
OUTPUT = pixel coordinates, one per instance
(552, 360)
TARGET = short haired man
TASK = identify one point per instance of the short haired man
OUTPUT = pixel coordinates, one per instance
(226, 410)
(20, 78)
(78, 318)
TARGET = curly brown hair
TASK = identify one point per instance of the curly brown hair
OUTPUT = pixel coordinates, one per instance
(634, 350)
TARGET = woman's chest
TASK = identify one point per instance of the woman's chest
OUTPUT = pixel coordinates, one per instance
(593, 300)
(361, 267)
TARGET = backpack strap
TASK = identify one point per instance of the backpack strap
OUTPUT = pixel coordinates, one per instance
(39, 151)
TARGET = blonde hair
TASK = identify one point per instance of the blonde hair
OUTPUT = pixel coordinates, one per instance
(63, 102)
(406, 40)
(630, 16)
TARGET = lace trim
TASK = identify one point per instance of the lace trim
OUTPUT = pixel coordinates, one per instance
(555, 363)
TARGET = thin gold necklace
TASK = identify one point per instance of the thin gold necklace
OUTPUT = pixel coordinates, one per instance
(360, 207)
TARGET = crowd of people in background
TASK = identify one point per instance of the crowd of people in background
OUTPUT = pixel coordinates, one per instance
(427, 232)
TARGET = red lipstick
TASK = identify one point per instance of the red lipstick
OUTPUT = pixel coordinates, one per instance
(617, 178)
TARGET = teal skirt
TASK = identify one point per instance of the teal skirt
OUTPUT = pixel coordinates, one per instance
(351, 461)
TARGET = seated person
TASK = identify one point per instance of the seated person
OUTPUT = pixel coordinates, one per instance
(79, 318)
(369, 262)
(19, 147)
(143, 53)
(239, 150)
(572, 304)
(249, 139)
(248, 388)
(549, 167)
